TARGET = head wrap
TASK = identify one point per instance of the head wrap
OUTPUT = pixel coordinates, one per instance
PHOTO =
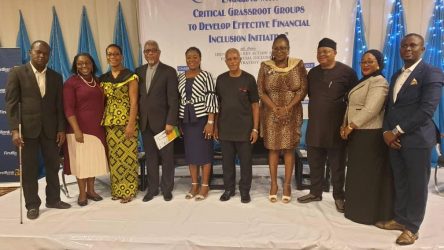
(379, 58)
(327, 42)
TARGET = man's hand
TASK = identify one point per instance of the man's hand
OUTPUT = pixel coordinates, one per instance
(392, 140)
(168, 128)
(16, 139)
(60, 138)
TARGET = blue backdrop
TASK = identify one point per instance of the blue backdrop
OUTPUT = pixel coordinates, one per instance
(9, 167)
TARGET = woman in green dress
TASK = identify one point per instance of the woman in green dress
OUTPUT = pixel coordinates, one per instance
(120, 88)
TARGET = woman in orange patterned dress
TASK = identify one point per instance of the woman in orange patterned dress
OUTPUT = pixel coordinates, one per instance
(282, 85)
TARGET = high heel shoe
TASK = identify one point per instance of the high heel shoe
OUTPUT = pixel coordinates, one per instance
(201, 197)
(191, 195)
(273, 197)
(285, 198)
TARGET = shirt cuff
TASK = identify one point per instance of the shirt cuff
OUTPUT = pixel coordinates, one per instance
(400, 129)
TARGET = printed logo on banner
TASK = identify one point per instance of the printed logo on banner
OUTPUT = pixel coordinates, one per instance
(9, 57)
(15, 172)
(10, 153)
(4, 69)
(5, 132)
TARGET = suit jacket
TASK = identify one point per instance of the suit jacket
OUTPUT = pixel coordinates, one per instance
(39, 114)
(415, 105)
(160, 105)
(366, 103)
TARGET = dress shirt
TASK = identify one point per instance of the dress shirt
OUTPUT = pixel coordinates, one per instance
(150, 71)
(41, 79)
(400, 82)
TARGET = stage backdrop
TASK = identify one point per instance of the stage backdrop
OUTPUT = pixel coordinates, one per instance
(248, 25)
(9, 170)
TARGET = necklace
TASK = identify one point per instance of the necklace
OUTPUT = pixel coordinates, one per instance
(90, 84)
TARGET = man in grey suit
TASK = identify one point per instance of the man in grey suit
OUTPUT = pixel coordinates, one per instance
(39, 91)
(158, 111)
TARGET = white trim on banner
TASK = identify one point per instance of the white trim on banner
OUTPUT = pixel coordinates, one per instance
(248, 25)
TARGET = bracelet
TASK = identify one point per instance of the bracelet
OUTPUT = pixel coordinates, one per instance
(255, 130)
(349, 127)
(210, 122)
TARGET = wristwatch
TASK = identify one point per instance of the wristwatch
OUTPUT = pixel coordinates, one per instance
(395, 131)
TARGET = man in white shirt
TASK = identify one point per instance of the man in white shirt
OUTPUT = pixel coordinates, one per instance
(39, 91)
(410, 132)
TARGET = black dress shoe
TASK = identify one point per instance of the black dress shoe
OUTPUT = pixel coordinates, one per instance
(245, 198)
(167, 196)
(82, 203)
(227, 195)
(340, 205)
(33, 213)
(149, 197)
(59, 205)
(309, 198)
(94, 198)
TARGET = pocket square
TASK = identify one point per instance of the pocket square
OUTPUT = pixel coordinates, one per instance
(414, 82)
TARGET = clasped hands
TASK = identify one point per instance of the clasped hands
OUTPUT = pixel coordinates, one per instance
(281, 111)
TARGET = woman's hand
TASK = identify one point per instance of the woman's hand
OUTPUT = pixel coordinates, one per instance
(130, 131)
(78, 134)
(208, 131)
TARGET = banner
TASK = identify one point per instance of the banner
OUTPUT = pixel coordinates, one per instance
(248, 25)
(9, 167)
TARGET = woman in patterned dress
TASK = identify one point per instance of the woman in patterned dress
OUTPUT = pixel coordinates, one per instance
(85, 147)
(282, 85)
(120, 88)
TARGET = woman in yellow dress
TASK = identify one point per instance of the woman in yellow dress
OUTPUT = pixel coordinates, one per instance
(120, 121)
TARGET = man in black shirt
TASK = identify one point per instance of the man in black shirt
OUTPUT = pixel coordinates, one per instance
(237, 124)
(328, 84)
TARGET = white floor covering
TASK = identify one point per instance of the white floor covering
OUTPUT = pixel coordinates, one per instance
(209, 224)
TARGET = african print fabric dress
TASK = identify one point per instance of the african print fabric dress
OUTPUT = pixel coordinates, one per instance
(282, 85)
(122, 152)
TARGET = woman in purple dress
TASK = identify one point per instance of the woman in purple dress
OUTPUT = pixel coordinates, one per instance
(83, 101)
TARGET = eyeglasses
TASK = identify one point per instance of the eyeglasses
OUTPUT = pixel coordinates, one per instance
(80, 64)
(368, 62)
(113, 54)
(280, 48)
(147, 51)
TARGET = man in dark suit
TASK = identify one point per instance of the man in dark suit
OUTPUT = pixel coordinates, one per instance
(158, 111)
(39, 91)
(411, 134)
(328, 84)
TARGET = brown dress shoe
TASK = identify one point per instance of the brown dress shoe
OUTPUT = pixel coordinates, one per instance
(406, 238)
(390, 225)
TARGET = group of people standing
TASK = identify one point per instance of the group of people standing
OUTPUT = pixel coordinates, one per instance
(384, 134)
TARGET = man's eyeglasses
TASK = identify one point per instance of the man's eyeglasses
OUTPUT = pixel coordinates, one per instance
(147, 51)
